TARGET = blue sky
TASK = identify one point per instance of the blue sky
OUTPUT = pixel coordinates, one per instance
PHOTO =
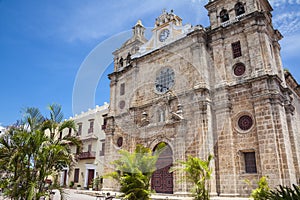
(44, 45)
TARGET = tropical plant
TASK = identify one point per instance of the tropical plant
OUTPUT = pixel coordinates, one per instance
(262, 191)
(97, 182)
(134, 170)
(285, 193)
(198, 172)
(32, 151)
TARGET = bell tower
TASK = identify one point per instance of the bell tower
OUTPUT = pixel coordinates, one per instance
(249, 95)
(244, 42)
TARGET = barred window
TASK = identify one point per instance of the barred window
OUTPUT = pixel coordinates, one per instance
(122, 89)
(236, 49)
(250, 162)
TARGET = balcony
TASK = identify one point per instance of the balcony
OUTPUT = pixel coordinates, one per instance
(87, 155)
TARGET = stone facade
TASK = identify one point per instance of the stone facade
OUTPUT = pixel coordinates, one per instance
(219, 90)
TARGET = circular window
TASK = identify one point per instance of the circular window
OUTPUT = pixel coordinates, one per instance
(239, 69)
(164, 80)
(120, 141)
(121, 104)
(245, 122)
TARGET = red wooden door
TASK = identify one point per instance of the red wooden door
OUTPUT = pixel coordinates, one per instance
(162, 180)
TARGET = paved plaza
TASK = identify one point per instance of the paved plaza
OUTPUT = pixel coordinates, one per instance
(72, 194)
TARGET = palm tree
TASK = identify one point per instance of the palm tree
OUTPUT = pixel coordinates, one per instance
(134, 170)
(198, 172)
(32, 152)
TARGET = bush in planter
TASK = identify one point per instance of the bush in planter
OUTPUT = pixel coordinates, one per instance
(90, 186)
(71, 184)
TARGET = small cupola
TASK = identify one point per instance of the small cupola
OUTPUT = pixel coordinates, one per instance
(138, 30)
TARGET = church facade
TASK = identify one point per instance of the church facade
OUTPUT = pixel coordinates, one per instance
(219, 90)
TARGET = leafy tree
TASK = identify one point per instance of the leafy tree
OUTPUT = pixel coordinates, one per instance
(32, 151)
(198, 172)
(134, 170)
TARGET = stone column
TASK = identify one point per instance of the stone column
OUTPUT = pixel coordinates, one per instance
(226, 150)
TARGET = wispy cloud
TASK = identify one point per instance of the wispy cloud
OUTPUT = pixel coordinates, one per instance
(288, 23)
(97, 19)
(279, 3)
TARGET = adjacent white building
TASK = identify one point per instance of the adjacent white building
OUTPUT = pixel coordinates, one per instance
(2, 130)
(90, 161)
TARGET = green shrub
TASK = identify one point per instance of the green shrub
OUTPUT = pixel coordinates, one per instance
(71, 184)
(262, 191)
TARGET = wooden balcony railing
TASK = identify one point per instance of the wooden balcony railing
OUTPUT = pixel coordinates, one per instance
(87, 155)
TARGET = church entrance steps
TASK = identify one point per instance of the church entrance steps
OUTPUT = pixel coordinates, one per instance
(174, 197)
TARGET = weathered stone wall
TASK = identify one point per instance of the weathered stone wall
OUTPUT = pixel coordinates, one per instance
(204, 108)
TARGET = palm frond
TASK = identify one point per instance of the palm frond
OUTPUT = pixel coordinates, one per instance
(56, 114)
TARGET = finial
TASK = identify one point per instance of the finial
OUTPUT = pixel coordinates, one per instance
(139, 22)
(164, 11)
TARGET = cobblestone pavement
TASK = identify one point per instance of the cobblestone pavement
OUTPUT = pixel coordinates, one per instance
(69, 195)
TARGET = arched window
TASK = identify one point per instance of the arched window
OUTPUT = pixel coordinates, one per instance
(224, 15)
(239, 9)
(121, 62)
(161, 115)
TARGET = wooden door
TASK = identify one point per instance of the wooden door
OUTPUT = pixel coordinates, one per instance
(162, 180)
(91, 173)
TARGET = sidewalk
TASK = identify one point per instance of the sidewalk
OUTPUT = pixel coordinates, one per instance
(73, 194)
(157, 196)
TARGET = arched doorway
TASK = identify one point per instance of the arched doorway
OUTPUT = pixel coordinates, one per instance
(162, 180)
